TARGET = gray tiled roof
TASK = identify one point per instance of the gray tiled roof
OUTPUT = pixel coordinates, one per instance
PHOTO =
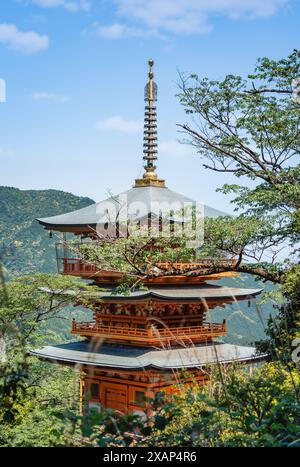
(148, 196)
(204, 291)
(114, 356)
(185, 292)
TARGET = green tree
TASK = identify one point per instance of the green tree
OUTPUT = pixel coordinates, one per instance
(250, 128)
(25, 304)
(237, 408)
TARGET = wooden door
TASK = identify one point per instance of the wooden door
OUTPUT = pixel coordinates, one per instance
(114, 396)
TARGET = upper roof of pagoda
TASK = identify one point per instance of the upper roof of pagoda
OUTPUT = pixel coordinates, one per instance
(136, 203)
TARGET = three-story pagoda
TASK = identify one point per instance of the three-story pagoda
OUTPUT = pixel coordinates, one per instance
(158, 336)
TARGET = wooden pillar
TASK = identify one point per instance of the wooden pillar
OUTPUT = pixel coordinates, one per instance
(81, 386)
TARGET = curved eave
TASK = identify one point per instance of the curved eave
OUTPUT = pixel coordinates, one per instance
(241, 295)
(86, 218)
(180, 293)
(67, 227)
(135, 358)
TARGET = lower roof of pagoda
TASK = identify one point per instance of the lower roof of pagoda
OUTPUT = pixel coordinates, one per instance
(137, 358)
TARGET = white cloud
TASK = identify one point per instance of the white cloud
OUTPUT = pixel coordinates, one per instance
(117, 30)
(26, 42)
(47, 96)
(118, 123)
(70, 5)
(156, 17)
(174, 148)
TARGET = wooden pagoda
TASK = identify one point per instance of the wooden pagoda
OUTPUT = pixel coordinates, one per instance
(157, 337)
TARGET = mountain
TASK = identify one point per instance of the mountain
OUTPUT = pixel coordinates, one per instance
(25, 246)
(246, 320)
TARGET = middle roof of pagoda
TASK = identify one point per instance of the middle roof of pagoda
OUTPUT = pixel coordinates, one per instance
(138, 202)
(190, 292)
(164, 292)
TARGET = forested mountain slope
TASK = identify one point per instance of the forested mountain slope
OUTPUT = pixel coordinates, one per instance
(24, 244)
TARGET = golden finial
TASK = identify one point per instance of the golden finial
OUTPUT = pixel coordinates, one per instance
(150, 134)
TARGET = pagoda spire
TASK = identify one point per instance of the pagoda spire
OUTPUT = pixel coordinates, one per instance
(150, 177)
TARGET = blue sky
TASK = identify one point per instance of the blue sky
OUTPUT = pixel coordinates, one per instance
(75, 72)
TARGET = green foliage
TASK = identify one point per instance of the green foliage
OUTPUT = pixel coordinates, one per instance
(50, 392)
(250, 127)
(245, 238)
(284, 327)
(135, 254)
(26, 303)
(29, 300)
(141, 257)
(238, 408)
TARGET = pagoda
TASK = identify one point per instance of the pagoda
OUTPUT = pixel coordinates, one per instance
(158, 336)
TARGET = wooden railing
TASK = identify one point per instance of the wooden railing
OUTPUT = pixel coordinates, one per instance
(191, 330)
(75, 266)
(202, 263)
(150, 335)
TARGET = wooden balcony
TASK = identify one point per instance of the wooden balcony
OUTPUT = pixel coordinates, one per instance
(77, 267)
(151, 336)
(74, 266)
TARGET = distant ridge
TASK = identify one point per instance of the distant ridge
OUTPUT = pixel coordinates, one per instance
(25, 246)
